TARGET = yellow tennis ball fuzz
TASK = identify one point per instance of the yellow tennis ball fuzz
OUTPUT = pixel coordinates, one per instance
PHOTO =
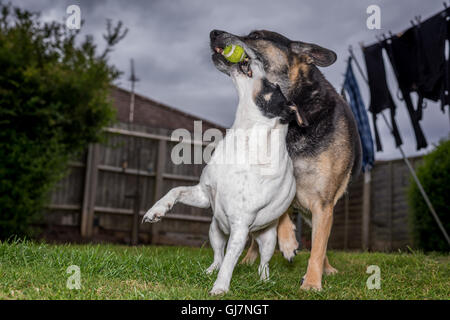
(234, 53)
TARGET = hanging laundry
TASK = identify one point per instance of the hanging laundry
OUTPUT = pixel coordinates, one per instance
(359, 111)
(446, 101)
(380, 97)
(403, 53)
(430, 36)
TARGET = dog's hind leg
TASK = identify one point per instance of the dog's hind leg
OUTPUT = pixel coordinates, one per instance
(195, 196)
(252, 253)
(267, 240)
(286, 237)
(218, 240)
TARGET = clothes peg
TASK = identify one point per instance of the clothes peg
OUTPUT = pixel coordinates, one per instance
(350, 49)
(418, 18)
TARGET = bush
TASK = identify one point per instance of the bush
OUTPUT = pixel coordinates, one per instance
(434, 174)
(54, 100)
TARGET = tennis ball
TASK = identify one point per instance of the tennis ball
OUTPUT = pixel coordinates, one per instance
(234, 53)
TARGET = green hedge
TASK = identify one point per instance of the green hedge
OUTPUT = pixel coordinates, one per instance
(54, 100)
(434, 174)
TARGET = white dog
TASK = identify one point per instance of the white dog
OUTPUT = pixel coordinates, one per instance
(247, 190)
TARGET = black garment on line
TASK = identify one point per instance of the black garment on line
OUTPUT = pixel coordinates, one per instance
(403, 53)
(380, 97)
(430, 36)
(447, 66)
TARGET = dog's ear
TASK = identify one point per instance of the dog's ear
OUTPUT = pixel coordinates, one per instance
(298, 114)
(319, 56)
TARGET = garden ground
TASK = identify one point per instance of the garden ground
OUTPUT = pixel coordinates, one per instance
(30, 270)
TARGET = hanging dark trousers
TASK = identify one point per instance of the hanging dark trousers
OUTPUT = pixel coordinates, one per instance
(403, 55)
(430, 36)
(380, 97)
(446, 101)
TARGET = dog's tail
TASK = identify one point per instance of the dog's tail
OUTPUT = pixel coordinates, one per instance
(304, 213)
(306, 217)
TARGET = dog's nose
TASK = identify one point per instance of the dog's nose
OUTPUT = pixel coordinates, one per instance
(215, 33)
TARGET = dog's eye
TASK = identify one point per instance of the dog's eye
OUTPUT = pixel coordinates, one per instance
(254, 35)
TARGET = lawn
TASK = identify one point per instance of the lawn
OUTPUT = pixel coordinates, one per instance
(38, 271)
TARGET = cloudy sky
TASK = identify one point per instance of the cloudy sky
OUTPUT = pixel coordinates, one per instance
(168, 41)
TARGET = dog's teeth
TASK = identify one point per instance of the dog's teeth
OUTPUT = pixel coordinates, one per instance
(218, 50)
(240, 68)
(249, 72)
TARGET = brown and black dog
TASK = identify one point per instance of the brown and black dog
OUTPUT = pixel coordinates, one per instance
(325, 154)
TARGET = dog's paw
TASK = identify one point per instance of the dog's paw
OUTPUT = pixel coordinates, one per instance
(263, 272)
(288, 252)
(218, 291)
(249, 258)
(288, 248)
(264, 278)
(310, 285)
(329, 270)
(154, 214)
(213, 267)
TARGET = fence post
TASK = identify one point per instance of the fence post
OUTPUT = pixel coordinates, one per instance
(136, 196)
(159, 181)
(366, 210)
(391, 204)
(90, 190)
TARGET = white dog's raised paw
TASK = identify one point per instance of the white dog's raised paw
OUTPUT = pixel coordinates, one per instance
(154, 214)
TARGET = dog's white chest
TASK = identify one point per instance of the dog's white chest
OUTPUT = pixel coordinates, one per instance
(251, 176)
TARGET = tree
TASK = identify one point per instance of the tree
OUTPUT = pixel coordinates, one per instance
(54, 101)
(434, 174)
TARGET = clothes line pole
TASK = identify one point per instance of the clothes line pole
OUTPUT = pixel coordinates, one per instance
(408, 164)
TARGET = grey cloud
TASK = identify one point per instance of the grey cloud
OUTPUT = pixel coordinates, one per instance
(169, 43)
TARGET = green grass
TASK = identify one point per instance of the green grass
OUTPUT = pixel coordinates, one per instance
(38, 271)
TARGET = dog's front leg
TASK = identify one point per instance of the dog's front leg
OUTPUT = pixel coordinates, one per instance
(322, 219)
(195, 196)
(236, 244)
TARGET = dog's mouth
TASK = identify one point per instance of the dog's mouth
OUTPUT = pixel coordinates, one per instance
(226, 66)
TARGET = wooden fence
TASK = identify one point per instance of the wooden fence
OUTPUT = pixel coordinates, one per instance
(387, 227)
(108, 190)
(106, 187)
